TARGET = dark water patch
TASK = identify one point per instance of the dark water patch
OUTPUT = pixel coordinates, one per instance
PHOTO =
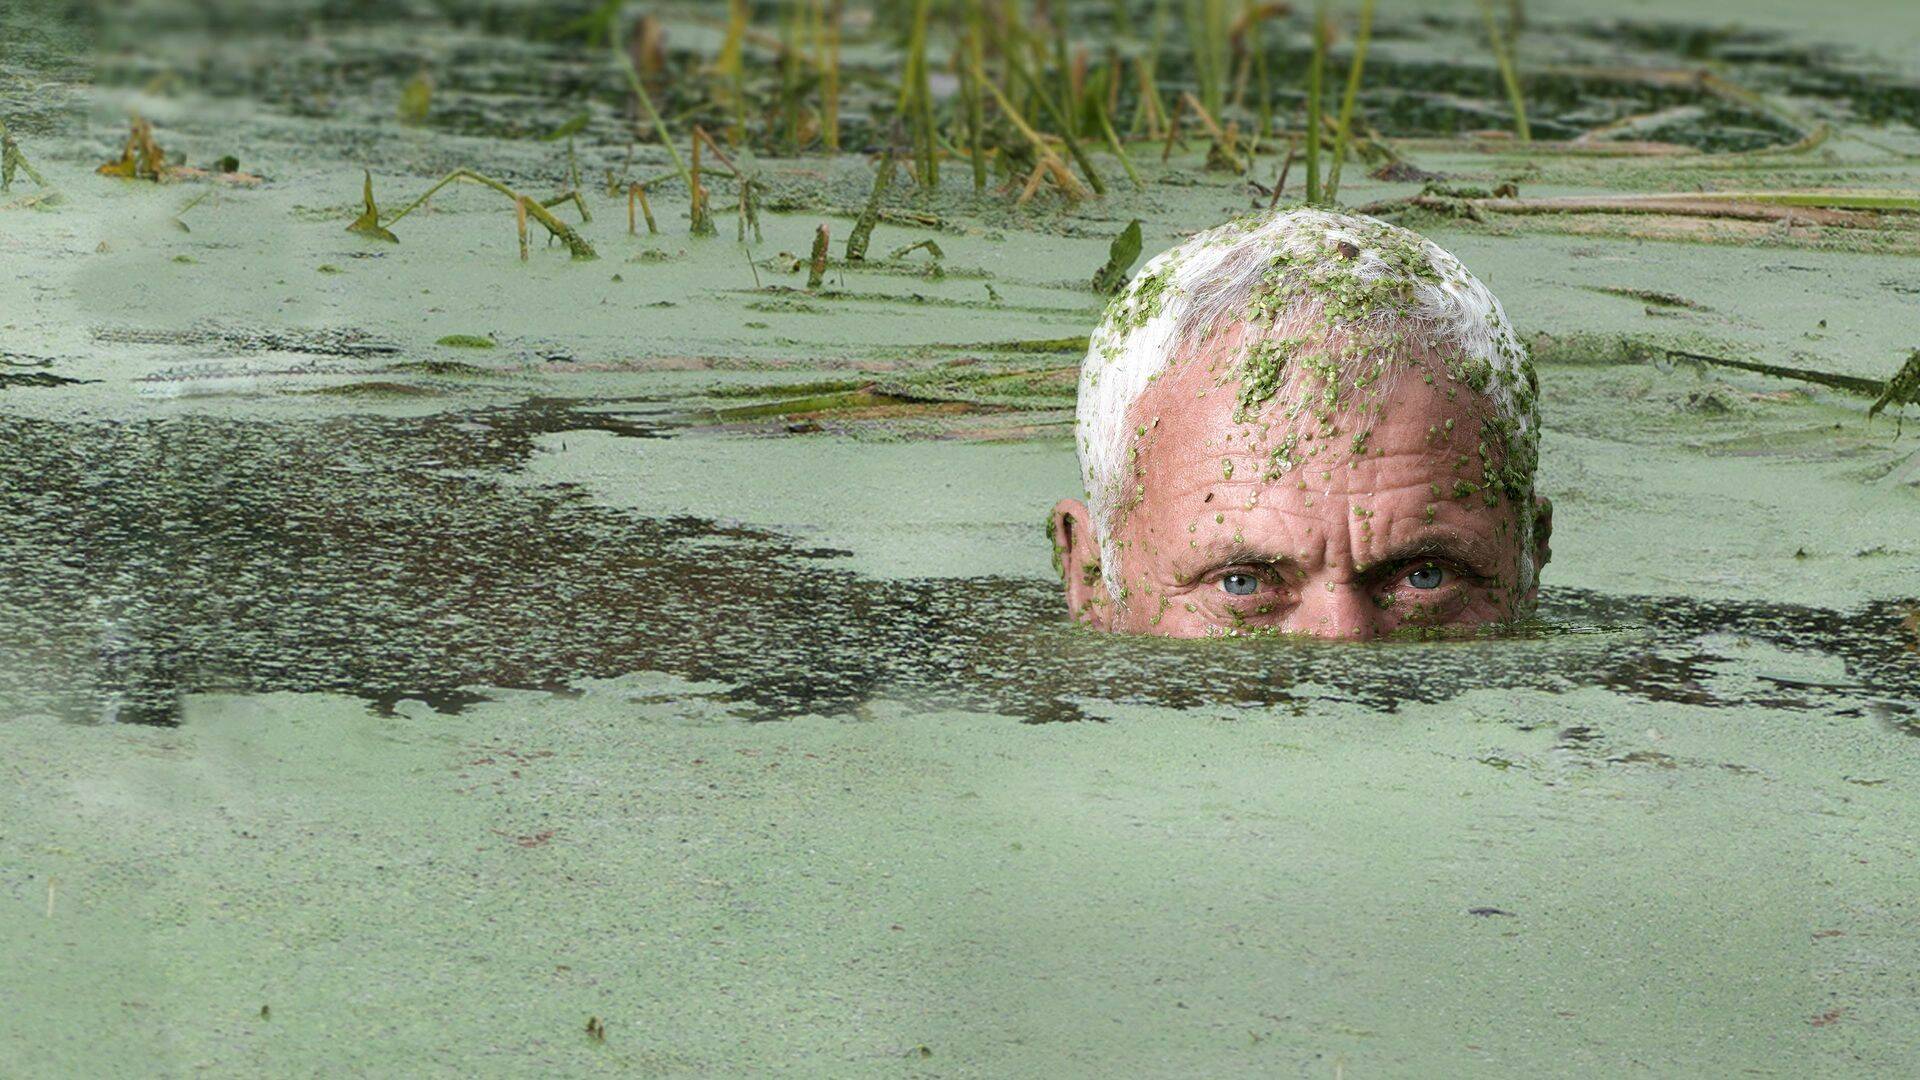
(382, 557)
(341, 342)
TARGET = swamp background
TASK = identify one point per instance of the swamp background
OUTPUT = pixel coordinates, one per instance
(427, 649)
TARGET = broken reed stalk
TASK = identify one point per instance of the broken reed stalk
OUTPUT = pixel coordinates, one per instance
(1314, 70)
(560, 230)
(1221, 138)
(653, 115)
(1503, 56)
(1048, 159)
(520, 220)
(700, 222)
(11, 158)
(1345, 133)
(580, 204)
(817, 264)
(863, 226)
(1020, 71)
(1280, 185)
(638, 192)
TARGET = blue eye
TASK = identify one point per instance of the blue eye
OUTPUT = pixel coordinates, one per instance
(1240, 584)
(1427, 577)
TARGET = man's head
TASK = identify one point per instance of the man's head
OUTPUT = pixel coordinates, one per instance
(1309, 423)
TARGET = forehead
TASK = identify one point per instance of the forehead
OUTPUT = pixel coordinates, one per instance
(1410, 407)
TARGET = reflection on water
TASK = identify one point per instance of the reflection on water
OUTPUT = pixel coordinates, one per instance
(379, 557)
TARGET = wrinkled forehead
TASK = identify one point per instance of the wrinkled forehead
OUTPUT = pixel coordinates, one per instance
(1298, 373)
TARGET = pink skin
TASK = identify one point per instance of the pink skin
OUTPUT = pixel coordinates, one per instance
(1336, 547)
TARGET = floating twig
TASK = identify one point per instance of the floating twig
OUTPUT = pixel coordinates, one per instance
(560, 230)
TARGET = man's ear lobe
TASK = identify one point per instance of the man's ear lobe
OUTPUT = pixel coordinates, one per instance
(1077, 558)
(1542, 531)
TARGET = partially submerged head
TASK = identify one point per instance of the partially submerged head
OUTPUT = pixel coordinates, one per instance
(1310, 423)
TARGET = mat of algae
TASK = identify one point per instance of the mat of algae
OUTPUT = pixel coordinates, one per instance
(688, 660)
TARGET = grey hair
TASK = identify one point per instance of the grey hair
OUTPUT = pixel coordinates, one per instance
(1219, 277)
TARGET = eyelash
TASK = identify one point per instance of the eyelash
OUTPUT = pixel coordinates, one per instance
(1451, 575)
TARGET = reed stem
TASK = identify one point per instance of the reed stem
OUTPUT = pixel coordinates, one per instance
(1503, 56)
(1345, 133)
(653, 115)
(1314, 70)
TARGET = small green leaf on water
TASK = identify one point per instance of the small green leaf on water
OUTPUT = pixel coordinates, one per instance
(368, 223)
(1120, 259)
(467, 341)
(573, 126)
(184, 259)
(328, 268)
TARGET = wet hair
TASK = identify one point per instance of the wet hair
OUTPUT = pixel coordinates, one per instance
(1347, 275)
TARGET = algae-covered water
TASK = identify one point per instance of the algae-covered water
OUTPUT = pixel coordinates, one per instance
(417, 661)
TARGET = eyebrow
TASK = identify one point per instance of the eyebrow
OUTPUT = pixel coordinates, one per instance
(1215, 554)
(1472, 553)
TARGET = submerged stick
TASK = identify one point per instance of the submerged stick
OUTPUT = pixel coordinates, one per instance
(1695, 206)
(520, 219)
(1345, 133)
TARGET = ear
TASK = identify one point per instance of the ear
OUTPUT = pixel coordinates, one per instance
(1542, 537)
(1077, 558)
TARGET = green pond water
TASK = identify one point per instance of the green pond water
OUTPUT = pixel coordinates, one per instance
(376, 706)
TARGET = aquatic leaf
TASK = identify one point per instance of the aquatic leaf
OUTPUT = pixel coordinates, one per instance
(1120, 259)
(368, 223)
